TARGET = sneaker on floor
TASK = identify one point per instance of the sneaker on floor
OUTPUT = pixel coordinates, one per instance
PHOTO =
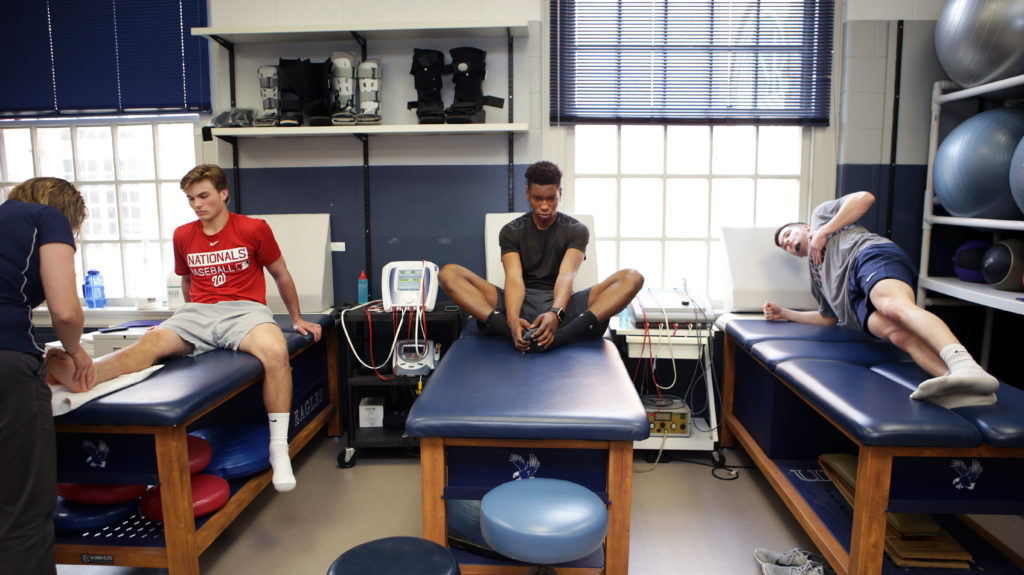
(791, 558)
(809, 568)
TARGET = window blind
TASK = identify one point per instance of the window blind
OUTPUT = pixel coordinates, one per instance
(691, 61)
(104, 56)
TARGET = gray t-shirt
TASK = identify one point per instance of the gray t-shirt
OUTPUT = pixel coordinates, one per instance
(829, 281)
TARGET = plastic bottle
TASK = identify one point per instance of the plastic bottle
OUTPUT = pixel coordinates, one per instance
(364, 288)
(92, 290)
(175, 297)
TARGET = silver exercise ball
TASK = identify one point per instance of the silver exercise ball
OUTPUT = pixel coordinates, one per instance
(971, 172)
(980, 41)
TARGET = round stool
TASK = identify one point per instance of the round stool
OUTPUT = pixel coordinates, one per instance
(396, 556)
(543, 521)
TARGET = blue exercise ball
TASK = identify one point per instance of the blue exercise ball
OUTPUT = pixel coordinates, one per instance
(1017, 176)
(979, 41)
(967, 260)
(971, 173)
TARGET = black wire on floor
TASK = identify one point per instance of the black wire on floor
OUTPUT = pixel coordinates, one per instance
(717, 462)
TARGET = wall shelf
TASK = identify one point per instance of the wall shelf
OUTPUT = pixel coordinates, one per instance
(981, 294)
(396, 31)
(370, 129)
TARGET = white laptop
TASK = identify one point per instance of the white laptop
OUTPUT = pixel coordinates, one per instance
(760, 271)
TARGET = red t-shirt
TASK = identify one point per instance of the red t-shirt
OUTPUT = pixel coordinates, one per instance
(227, 266)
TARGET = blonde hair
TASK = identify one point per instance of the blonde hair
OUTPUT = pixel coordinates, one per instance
(210, 172)
(57, 193)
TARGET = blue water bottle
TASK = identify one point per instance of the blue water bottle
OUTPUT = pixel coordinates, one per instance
(92, 289)
(364, 295)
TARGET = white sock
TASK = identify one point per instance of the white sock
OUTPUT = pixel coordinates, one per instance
(955, 400)
(965, 376)
(284, 479)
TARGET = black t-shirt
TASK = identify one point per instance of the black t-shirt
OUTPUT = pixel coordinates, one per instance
(24, 227)
(541, 251)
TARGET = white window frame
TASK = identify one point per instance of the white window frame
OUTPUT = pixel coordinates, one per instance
(74, 123)
(710, 243)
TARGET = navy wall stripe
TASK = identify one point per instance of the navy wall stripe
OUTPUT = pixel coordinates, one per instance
(908, 201)
(434, 213)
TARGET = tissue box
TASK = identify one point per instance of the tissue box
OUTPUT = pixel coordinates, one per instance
(371, 412)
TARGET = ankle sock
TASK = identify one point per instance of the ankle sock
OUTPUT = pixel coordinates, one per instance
(965, 376)
(497, 324)
(955, 400)
(583, 326)
(284, 479)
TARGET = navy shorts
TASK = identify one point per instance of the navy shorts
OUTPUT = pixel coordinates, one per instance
(872, 265)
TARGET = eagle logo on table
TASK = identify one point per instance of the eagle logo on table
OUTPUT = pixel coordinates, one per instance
(525, 468)
(98, 453)
(968, 476)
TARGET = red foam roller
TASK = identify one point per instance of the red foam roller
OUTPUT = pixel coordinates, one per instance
(209, 493)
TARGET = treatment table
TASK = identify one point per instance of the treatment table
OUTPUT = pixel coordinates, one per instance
(144, 427)
(793, 392)
(488, 412)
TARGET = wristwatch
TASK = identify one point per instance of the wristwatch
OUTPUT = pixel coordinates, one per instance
(559, 313)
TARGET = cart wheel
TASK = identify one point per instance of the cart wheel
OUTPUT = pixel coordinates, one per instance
(347, 458)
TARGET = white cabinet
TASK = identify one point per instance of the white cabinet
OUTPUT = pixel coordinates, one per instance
(945, 92)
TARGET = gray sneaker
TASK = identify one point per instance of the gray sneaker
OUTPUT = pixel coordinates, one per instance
(791, 558)
(809, 568)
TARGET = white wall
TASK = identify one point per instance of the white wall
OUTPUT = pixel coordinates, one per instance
(860, 131)
(396, 83)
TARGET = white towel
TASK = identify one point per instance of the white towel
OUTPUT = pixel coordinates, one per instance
(64, 400)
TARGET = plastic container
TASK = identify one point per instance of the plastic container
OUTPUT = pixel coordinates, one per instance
(175, 297)
(364, 288)
(92, 290)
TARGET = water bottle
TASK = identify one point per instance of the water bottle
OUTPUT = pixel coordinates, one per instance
(364, 288)
(175, 297)
(92, 290)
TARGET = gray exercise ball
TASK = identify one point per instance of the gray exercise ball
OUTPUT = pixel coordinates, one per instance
(1017, 176)
(971, 173)
(1003, 265)
(980, 41)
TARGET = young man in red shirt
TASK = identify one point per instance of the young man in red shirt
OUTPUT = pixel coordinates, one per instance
(221, 257)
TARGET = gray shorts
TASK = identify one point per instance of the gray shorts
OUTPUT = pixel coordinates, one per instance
(221, 325)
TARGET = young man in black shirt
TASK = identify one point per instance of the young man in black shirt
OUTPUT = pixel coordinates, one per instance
(541, 252)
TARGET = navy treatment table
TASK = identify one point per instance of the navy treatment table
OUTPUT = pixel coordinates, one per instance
(793, 392)
(488, 410)
(150, 420)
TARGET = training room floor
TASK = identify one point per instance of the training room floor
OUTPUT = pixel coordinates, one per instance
(683, 520)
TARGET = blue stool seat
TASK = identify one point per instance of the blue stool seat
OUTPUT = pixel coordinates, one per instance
(543, 521)
(396, 556)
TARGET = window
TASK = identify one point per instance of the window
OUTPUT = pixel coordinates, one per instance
(104, 56)
(128, 169)
(691, 62)
(661, 194)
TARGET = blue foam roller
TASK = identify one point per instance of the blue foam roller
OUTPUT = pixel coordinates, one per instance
(543, 521)
(464, 519)
(238, 449)
(73, 517)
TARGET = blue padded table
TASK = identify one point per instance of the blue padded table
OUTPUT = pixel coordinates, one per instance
(576, 401)
(792, 392)
(157, 411)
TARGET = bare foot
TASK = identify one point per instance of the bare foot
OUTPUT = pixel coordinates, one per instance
(60, 368)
